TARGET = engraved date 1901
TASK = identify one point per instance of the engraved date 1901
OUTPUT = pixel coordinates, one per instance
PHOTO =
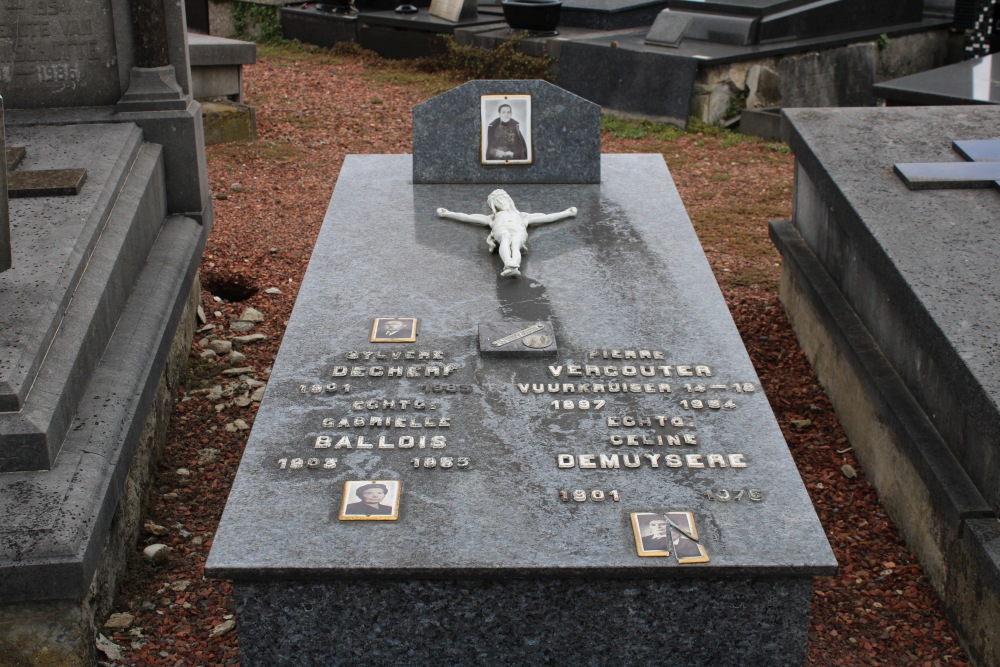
(596, 495)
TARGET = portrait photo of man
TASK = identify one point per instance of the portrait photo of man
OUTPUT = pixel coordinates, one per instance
(506, 129)
(372, 500)
(394, 330)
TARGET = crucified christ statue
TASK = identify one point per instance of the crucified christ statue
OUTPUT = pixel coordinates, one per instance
(508, 227)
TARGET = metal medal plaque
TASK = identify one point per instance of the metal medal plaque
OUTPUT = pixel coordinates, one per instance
(517, 339)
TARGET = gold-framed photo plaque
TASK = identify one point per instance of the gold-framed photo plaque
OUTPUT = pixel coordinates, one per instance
(394, 330)
(671, 532)
(370, 500)
(506, 129)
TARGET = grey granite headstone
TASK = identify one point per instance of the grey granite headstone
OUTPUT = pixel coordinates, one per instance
(564, 136)
(4, 209)
(519, 475)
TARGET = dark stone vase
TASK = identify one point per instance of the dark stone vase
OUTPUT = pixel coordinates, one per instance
(533, 15)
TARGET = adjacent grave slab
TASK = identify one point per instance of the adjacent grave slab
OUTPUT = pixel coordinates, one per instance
(670, 83)
(517, 475)
(975, 81)
(609, 14)
(312, 26)
(395, 35)
(563, 131)
(886, 290)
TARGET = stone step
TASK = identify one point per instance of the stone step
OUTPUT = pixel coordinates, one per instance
(49, 546)
(61, 327)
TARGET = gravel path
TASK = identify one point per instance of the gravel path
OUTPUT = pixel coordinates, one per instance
(270, 197)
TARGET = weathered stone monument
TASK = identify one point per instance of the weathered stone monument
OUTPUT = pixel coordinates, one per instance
(451, 466)
(887, 279)
(111, 213)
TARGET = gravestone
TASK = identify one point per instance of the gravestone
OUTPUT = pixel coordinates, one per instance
(973, 81)
(106, 231)
(891, 294)
(576, 462)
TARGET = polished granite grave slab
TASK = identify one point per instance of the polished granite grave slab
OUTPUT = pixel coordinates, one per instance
(975, 81)
(518, 475)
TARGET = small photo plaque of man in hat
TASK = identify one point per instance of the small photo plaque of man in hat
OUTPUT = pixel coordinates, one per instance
(375, 500)
(394, 330)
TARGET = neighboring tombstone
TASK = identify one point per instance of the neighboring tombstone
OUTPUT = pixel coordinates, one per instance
(892, 293)
(453, 10)
(454, 466)
(96, 311)
(4, 209)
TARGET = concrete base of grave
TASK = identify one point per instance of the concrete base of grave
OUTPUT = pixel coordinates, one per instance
(962, 561)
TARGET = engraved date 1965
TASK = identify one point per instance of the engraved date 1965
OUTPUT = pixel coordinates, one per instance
(442, 463)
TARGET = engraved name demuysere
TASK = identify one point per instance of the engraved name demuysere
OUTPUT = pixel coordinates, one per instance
(643, 460)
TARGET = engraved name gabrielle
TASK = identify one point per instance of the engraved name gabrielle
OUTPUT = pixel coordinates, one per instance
(386, 421)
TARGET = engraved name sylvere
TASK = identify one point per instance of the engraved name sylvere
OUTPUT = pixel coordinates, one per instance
(409, 355)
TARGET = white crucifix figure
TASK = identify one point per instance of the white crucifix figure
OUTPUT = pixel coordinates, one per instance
(508, 227)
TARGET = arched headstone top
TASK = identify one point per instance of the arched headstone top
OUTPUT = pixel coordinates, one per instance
(507, 131)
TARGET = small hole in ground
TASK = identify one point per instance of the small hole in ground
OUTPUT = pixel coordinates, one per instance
(229, 286)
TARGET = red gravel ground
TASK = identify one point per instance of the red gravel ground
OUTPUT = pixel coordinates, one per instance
(270, 197)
